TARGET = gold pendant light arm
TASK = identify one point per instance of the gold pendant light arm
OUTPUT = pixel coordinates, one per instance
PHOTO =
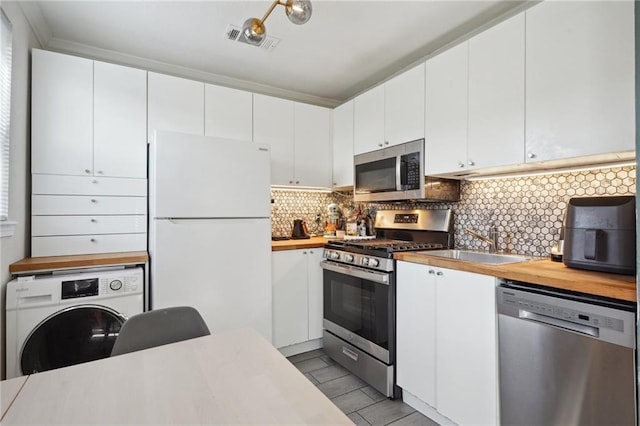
(273, 6)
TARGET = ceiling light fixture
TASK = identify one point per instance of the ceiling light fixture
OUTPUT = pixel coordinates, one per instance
(298, 12)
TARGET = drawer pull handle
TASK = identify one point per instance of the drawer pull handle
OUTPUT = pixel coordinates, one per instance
(99, 172)
(431, 271)
(350, 354)
(94, 221)
(93, 240)
(87, 171)
(439, 273)
(94, 181)
(93, 200)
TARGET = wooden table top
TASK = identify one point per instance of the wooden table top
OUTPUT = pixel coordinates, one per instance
(542, 272)
(227, 378)
(9, 389)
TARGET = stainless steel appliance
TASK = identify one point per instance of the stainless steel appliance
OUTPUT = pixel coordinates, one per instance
(565, 358)
(359, 291)
(397, 173)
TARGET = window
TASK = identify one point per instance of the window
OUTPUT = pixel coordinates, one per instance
(6, 227)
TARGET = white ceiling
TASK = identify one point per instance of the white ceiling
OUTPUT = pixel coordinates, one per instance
(345, 48)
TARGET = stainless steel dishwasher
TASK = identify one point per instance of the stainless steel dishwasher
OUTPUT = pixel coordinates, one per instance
(564, 358)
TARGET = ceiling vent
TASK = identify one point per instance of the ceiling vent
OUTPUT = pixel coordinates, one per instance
(234, 33)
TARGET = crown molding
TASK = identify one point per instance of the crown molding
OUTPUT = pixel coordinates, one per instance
(79, 49)
(35, 18)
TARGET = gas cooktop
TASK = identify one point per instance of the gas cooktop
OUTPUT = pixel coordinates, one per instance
(384, 245)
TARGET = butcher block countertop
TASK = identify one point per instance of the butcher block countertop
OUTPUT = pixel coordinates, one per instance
(543, 272)
(35, 264)
(313, 242)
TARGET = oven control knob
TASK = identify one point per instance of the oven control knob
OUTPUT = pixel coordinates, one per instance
(335, 255)
(365, 261)
(348, 257)
(373, 262)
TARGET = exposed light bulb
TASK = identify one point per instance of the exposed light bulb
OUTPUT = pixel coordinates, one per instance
(254, 31)
(298, 11)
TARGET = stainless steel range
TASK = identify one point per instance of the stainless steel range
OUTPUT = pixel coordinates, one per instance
(359, 291)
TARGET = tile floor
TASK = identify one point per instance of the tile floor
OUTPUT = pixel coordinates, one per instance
(359, 401)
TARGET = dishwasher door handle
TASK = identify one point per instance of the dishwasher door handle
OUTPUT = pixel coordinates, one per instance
(555, 322)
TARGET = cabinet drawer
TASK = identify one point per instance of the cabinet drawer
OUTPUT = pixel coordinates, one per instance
(87, 244)
(82, 185)
(81, 204)
(85, 225)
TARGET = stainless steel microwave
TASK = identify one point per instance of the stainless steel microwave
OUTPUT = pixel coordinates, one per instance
(397, 173)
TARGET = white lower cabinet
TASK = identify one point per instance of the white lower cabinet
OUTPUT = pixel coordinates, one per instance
(447, 341)
(297, 296)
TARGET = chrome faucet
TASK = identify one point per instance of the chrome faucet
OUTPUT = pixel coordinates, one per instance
(492, 240)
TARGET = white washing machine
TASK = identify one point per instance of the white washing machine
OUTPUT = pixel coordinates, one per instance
(58, 320)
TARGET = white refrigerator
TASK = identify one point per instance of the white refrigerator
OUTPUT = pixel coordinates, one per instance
(210, 229)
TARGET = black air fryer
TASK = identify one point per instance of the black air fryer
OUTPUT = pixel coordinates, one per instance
(600, 234)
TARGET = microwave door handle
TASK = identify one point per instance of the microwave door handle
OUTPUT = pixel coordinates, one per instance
(399, 173)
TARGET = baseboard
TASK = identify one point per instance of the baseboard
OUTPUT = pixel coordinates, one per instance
(299, 348)
(421, 406)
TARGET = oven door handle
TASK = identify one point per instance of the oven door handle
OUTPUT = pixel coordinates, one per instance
(378, 277)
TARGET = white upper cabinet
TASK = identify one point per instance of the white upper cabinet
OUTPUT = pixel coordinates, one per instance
(579, 79)
(175, 104)
(368, 123)
(343, 144)
(120, 114)
(228, 113)
(273, 124)
(61, 114)
(446, 96)
(404, 107)
(391, 113)
(88, 117)
(312, 151)
(496, 96)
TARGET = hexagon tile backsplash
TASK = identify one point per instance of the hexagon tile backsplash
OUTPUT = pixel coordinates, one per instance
(527, 211)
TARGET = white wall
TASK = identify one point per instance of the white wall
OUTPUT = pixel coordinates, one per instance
(17, 247)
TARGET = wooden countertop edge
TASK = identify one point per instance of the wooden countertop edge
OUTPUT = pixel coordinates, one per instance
(78, 261)
(542, 272)
(313, 242)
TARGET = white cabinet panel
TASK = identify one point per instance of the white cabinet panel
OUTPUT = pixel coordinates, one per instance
(416, 330)
(343, 144)
(273, 124)
(368, 124)
(316, 301)
(228, 113)
(579, 79)
(446, 100)
(61, 114)
(496, 96)
(175, 104)
(120, 115)
(466, 348)
(78, 185)
(404, 107)
(87, 205)
(83, 225)
(87, 244)
(290, 295)
(312, 152)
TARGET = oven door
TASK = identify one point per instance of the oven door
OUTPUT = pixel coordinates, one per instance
(359, 308)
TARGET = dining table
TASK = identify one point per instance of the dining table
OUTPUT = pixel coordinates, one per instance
(227, 378)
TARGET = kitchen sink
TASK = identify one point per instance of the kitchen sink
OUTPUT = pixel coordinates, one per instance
(479, 256)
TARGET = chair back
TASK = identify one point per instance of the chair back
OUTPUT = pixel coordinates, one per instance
(159, 327)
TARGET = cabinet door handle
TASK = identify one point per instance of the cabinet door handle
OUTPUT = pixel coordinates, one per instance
(310, 251)
(431, 271)
(290, 181)
(380, 144)
(304, 252)
(439, 273)
(386, 142)
(297, 182)
(87, 171)
(531, 155)
(99, 172)
(471, 163)
(460, 164)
